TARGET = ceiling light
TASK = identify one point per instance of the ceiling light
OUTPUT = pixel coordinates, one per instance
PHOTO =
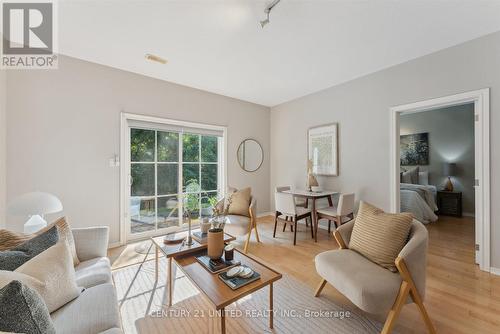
(155, 58)
(267, 11)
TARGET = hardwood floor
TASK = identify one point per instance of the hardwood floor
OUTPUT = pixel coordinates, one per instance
(460, 298)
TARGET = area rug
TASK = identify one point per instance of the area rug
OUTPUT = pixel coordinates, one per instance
(144, 307)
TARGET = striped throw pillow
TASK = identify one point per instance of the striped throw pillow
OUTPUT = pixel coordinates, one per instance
(380, 236)
(9, 239)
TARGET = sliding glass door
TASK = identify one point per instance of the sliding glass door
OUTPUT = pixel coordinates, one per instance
(171, 171)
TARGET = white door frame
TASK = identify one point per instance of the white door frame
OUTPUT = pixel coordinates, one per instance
(481, 100)
(125, 162)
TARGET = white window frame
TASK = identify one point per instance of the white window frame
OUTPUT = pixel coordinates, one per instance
(126, 118)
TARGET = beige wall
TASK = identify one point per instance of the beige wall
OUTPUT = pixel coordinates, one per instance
(361, 107)
(64, 126)
(3, 128)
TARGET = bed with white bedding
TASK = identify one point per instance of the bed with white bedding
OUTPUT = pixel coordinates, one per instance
(420, 200)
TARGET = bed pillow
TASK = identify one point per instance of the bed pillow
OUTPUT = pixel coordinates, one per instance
(406, 177)
(423, 178)
(380, 236)
(51, 274)
(17, 256)
(23, 310)
(411, 176)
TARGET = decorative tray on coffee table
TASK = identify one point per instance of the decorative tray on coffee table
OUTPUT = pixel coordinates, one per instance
(215, 266)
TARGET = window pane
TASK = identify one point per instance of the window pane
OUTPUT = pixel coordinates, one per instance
(142, 145)
(142, 214)
(143, 180)
(206, 207)
(167, 179)
(208, 149)
(190, 151)
(208, 177)
(168, 146)
(190, 175)
(192, 204)
(168, 212)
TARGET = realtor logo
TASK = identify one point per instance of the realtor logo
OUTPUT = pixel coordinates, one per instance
(28, 35)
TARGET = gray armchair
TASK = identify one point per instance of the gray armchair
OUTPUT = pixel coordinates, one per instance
(371, 287)
(237, 225)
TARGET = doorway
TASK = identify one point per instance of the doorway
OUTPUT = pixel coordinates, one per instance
(480, 101)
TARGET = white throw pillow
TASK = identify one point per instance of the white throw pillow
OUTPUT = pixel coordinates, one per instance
(50, 273)
(423, 178)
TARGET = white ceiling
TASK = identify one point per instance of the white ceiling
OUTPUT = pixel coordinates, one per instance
(220, 47)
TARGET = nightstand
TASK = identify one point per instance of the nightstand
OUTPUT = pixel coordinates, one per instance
(449, 203)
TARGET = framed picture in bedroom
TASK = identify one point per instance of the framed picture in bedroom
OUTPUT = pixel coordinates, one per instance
(323, 149)
(414, 149)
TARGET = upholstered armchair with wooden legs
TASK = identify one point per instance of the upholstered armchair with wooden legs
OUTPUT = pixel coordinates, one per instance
(237, 225)
(373, 288)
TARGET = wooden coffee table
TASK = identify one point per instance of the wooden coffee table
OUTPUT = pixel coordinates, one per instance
(219, 294)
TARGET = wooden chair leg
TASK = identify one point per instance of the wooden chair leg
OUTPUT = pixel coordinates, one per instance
(312, 228)
(307, 221)
(284, 224)
(329, 226)
(415, 296)
(256, 232)
(245, 249)
(404, 290)
(427, 320)
(320, 288)
(338, 221)
(295, 231)
(291, 227)
(275, 223)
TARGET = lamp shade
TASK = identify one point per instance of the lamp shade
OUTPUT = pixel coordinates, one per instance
(449, 169)
(35, 203)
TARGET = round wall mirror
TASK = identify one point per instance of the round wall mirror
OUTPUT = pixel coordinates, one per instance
(250, 155)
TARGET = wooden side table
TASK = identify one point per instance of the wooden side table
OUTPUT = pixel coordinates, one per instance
(449, 203)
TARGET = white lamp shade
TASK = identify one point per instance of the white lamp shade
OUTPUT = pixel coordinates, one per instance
(35, 203)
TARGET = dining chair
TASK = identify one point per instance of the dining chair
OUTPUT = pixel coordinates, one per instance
(337, 213)
(286, 206)
(301, 203)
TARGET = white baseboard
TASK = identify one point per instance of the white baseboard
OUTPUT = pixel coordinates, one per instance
(264, 214)
(114, 244)
(495, 271)
(468, 214)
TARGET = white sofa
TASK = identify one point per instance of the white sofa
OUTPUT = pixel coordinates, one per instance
(96, 309)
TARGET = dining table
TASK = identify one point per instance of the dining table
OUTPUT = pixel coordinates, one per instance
(313, 196)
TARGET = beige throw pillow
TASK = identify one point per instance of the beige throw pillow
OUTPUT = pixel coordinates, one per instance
(50, 273)
(9, 239)
(380, 236)
(239, 202)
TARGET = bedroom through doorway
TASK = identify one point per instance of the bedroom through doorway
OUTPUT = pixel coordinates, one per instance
(437, 173)
(440, 165)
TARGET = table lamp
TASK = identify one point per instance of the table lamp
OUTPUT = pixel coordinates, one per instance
(449, 170)
(35, 205)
